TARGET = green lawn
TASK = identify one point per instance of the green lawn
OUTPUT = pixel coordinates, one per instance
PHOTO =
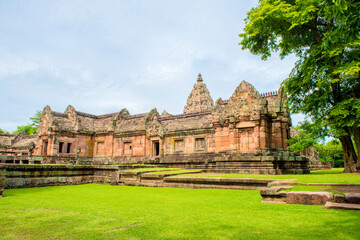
(95, 211)
(335, 175)
(179, 171)
(152, 169)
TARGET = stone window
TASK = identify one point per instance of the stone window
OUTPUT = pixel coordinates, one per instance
(200, 144)
(179, 145)
(69, 148)
(127, 148)
(61, 146)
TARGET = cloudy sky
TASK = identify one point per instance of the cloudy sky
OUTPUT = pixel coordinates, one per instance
(102, 56)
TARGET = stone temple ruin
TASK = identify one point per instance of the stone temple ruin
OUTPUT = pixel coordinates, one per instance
(246, 133)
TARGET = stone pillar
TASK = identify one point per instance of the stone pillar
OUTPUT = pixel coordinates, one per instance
(2, 179)
(257, 136)
(232, 139)
(262, 134)
(53, 145)
(284, 135)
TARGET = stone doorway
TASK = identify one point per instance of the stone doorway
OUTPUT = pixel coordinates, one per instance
(45, 148)
(156, 148)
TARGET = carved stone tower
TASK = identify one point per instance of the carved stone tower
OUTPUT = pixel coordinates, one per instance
(199, 99)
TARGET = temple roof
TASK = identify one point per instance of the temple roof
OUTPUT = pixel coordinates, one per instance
(199, 99)
(187, 121)
(17, 141)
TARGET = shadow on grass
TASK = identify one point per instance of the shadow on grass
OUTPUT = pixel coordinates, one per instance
(31, 190)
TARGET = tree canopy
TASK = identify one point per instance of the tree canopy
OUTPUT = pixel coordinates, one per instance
(32, 127)
(325, 81)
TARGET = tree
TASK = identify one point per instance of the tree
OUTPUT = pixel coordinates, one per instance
(308, 135)
(35, 120)
(325, 81)
(32, 127)
(29, 129)
(2, 131)
(331, 152)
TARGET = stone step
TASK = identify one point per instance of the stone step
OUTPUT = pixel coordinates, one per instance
(344, 206)
(308, 198)
(353, 198)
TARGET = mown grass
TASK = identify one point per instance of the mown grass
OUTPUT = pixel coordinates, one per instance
(314, 189)
(179, 171)
(96, 211)
(153, 169)
(335, 175)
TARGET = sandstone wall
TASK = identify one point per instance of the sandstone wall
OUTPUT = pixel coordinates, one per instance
(20, 176)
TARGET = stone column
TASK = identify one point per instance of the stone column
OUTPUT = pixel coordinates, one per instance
(257, 136)
(53, 145)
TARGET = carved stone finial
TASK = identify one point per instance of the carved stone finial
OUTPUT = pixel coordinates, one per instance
(199, 99)
(199, 78)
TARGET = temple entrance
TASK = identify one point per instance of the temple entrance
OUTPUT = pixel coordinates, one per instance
(45, 148)
(156, 148)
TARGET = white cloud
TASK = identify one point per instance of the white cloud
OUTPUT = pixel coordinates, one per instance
(101, 56)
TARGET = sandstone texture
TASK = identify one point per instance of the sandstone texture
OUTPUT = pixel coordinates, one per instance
(352, 198)
(245, 133)
(309, 198)
(344, 206)
(339, 198)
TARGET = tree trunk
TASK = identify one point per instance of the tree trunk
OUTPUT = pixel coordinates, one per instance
(357, 144)
(350, 157)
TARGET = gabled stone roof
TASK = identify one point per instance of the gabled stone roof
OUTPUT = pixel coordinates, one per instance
(187, 121)
(17, 141)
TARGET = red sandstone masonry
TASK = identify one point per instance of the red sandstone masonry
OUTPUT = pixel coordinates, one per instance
(309, 198)
(206, 134)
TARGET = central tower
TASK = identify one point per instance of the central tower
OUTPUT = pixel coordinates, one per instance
(199, 99)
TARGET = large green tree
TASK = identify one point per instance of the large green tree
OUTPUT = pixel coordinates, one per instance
(32, 127)
(325, 81)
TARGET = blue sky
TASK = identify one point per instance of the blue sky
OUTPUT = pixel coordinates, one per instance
(102, 56)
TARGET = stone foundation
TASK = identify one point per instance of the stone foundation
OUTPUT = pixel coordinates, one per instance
(153, 179)
(2, 178)
(22, 176)
(270, 162)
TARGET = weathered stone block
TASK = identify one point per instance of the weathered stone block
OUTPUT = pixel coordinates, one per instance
(352, 198)
(339, 198)
(344, 206)
(309, 198)
(273, 195)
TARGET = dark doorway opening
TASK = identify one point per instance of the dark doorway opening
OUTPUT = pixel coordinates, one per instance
(61, 145)
(156, 148)
(45, 148)
(68, 149)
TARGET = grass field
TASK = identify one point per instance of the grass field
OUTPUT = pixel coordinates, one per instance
(334, 175)
(95, 211)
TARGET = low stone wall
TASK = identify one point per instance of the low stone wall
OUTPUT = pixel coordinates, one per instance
(20, 176)
(317, 165)
(152, 179)
(2, 178)
(269, 162)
